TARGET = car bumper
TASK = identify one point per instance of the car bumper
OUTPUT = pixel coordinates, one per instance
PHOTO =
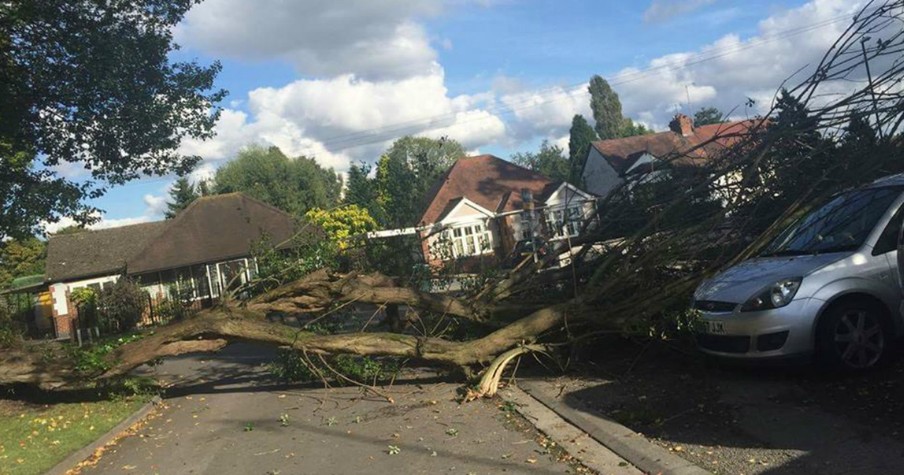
(769, 334)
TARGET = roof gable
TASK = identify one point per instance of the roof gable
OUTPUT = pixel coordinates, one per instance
(211, 229)
(488, 181)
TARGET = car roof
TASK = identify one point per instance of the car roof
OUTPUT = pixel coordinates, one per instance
(890, 180)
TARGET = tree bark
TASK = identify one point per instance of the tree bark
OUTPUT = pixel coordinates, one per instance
(212, 329)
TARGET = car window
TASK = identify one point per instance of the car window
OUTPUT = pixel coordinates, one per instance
(888, 240)
(841, 224)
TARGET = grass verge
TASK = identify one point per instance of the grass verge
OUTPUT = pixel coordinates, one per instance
(34, 438)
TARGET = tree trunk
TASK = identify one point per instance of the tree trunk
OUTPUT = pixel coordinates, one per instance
(212, 329)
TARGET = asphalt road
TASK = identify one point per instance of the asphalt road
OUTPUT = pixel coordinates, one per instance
(228, 417)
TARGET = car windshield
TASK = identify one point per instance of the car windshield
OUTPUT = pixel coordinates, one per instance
(840, 225)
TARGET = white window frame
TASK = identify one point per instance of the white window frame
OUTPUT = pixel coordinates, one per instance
(556, 220)
(469, 239)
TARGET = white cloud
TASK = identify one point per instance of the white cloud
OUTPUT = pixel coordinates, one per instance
(156, 204)
(350, 117)
(346, 119)
(545, 113)
(663, 10)
(372, 39)
(736, 69)
(65, 222)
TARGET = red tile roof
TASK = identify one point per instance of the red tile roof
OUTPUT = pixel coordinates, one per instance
(489, 181)
(706, 142)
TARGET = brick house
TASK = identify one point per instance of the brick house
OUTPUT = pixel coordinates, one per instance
(611, 163)
(482, 206)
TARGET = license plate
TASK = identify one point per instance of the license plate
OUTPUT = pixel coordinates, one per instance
(716, 328)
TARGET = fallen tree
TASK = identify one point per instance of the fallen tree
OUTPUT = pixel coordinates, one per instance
(656, 240)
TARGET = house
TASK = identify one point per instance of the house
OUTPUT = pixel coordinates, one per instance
(611, 163)
(206, 248)
(482, 206)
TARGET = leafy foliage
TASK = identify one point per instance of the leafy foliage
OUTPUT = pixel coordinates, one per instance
(404, 175)
(91, 83)
(181, 195)
(580, 137)
(340, 224)
(606, 107)
(607, 112)
(21, 257)
(91, 359)
(289, 366)
(309, 250)
(121, 304)
(708, 116)
(549, 161)
(294, 185)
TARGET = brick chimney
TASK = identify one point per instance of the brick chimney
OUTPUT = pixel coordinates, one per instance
(682, 124)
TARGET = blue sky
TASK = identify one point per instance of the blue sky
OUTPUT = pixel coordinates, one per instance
(317, 76)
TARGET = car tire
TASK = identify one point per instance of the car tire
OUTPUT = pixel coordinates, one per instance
(853, 336)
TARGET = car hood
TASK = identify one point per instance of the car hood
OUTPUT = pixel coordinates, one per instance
(741, 282)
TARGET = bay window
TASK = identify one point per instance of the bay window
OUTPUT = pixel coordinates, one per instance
(469, 240)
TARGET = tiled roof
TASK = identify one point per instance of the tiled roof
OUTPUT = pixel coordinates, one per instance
(704, 143)
(488, 181)
(95, 253)
(211, 229)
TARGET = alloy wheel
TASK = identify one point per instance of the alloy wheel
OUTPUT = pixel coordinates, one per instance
(859, 339)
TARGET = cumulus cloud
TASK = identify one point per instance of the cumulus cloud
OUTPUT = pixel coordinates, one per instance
(346, 119)
(353, 116)
(663, 10)
(319, 37)
(545, 113)
(156, 204)
(730, 70)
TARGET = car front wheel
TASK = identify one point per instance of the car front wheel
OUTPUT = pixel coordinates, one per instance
(853, 337)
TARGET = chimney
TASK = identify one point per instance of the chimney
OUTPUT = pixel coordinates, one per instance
(682, 124)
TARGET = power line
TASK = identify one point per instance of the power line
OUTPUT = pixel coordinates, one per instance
(381, 134)
(376, 135)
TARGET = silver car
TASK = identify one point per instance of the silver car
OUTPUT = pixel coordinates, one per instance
(828, 285)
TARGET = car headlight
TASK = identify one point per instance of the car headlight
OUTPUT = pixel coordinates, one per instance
(776, 295)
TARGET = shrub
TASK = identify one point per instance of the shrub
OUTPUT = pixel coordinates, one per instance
(10, 330)
(122, 304)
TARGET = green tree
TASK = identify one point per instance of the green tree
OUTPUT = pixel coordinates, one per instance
(294, 185)
(21, 257)
(404, 175)
(92, 83)
(204, 188)
(361, 190)
(607, 112)
(343, 223)
(549, 161)
(607, 109)
(580, 137)
(631, 128)
(708, 116)
(181, 195)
